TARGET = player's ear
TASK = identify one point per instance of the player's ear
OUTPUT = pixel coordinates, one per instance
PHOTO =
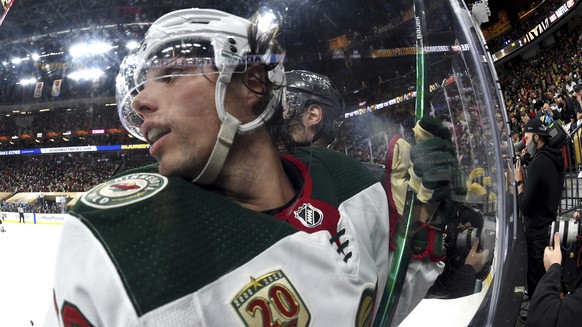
(314, 115)
(246, 91)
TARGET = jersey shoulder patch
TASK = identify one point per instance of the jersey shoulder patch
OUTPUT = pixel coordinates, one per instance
(271, 300)
(125, 190)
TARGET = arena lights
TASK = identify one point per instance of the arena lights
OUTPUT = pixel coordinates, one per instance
(132, 45)
(86, 74)
(17, 60)
(89, 49)
(267, 21)
(535, 33)
(27, 81)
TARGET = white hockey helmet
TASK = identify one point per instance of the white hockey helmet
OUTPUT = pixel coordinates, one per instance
(199, 37)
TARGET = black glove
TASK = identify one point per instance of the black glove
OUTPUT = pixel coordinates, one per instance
(435, 170)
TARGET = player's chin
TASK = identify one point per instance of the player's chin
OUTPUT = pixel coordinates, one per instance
(166, 166)
(172, 168)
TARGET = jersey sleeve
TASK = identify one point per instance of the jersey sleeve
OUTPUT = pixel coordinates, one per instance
(88, 291)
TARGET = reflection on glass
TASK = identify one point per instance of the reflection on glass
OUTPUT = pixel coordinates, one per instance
(426, 60)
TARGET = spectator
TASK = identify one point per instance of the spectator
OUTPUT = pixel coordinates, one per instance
(549, 307)
(539, 194)
(566, 109)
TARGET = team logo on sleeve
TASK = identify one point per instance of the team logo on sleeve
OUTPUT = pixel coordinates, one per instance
(271, 300)
(309, 215)
(125, 190)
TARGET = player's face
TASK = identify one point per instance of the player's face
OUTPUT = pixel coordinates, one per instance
(180, 120)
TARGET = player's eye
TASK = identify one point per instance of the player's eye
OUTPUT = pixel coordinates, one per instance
(169, 74)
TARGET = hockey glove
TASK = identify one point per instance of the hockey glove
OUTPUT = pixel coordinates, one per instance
(429, 127)
(435, 169)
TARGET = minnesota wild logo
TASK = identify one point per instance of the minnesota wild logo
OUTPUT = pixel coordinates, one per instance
(125, 190)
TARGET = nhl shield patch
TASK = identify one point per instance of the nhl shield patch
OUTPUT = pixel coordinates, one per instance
(125, 190)
(271, 300)
(309, 215)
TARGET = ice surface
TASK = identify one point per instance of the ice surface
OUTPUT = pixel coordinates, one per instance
(27, 261)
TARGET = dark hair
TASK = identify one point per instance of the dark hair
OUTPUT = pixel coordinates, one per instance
(261, 43)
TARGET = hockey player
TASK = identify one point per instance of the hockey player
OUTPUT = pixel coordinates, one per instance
(313, 104)
(223, 230)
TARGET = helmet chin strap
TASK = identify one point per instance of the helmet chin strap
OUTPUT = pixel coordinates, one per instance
(220, 152)
(228, 130)
(225, 136)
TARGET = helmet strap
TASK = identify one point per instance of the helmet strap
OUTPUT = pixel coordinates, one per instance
(228, 129)
(262, 118)
(225, 137)
(218, 156)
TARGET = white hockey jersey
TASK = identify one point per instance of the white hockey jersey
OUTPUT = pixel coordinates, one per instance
(146, 250)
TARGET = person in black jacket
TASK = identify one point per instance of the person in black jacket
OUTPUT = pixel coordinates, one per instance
(539, 195)
(548, 307)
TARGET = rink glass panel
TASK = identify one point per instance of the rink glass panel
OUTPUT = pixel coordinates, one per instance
(370, 53)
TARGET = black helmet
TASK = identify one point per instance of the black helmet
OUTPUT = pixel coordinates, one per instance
(305, 88)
